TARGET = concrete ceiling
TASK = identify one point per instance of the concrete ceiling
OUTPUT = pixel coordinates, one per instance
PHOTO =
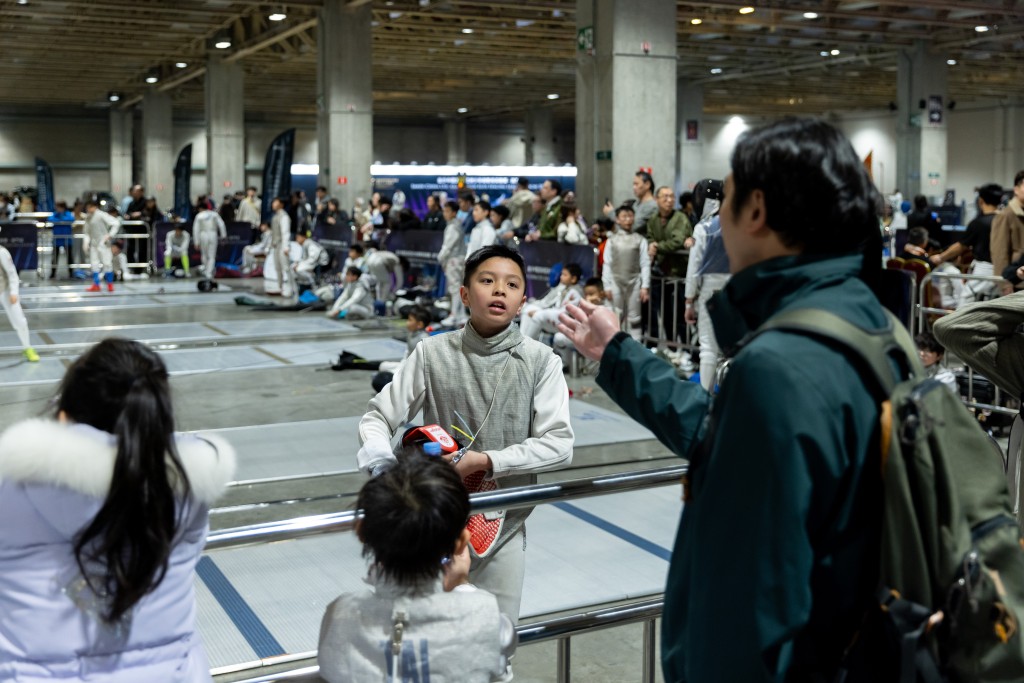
(70, 54)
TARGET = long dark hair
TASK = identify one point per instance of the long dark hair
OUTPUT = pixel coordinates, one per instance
(120, 387)
(414, 514)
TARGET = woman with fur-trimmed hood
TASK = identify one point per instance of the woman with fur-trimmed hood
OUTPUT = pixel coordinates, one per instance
(105, 515)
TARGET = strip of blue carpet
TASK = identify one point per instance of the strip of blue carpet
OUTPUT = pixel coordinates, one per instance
(615, 530)
(252, 628)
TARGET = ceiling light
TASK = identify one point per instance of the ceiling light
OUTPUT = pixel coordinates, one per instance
(467, 30)
(222, 43)
(834, 53)
(824, 53)
(553, 96)
(22, 2)
(278, 16)
(462, 110)
(152, 77)
(746, 10)
(810, 15)
(716, 70)
(114, 96)
(181, 65)
(736, 120)
(981, 29)
(696, 22)
(951, 62)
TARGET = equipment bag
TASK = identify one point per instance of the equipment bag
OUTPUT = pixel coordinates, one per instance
(951, 580)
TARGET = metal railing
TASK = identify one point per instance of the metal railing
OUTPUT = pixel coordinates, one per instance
(560, 629)
(76, 255)
(500, 499)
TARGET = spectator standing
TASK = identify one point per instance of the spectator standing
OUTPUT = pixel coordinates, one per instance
(793, 432)
(668, 233)
(551, 214)
(1007, 237)
(249, 210)
(570, 230)
(434, 220)
(520, 204)
(923, 217)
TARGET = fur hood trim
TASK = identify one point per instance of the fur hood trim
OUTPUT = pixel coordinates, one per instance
(81, 458)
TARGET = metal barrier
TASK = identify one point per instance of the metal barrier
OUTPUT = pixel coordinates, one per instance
(560, 629)
(77, 255)
(499, 499)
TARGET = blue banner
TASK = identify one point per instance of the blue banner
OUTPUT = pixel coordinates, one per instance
(277, 171)
(183, 184)
(20, 239)
(44, 186)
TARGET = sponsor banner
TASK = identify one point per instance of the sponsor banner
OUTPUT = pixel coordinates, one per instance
(44, 186)
(228, 253)
(183, 184)
(20, 239)
(277, 171)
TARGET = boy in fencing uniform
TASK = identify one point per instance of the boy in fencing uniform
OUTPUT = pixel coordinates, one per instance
(280, 237)
(503, 389)
(100, 228)
(627, 270)
(176, 246)
(356, 300)
(542, 316)
(209, 229)
(453, 259)
(381, 264)
(12, 305)
(261, 248)
(313, 256)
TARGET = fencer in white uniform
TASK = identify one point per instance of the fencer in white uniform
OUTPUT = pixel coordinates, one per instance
(261, 248)
(280, 238)
(209, 229)
(100, 229)
(381, 264)
(11, 302)
(313, 256)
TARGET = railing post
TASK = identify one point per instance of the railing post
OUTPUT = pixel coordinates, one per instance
(564, 666)
(650, 660)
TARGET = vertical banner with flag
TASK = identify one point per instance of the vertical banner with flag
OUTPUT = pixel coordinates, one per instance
(44, 186)
(277, 170)
(183, 184)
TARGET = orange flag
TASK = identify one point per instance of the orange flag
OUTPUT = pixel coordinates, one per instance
(867, 164)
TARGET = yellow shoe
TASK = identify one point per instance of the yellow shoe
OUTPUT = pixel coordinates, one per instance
(31, 356)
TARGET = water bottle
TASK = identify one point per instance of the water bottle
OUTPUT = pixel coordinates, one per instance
(432, 448)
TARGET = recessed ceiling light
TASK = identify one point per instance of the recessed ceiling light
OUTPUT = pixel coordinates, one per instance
(981, 29)
(278, 16)
(553, 96)
(824, 53)
(114, 96)
(222, 44)
(810, 15)
(716, 70)
(746, 10)
(181, 65)
(152, 78)
(22, 2)
(834, 52)
(951, 62)
(467, 30)
(696, 22)
(462, 110)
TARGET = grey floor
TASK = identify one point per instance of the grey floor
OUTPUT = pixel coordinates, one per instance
(262, 379)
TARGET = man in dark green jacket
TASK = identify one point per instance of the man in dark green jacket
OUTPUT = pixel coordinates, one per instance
(776, 558)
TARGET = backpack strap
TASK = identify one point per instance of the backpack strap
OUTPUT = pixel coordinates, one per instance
(874, 348)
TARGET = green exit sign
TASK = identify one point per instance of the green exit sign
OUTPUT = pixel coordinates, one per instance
(604, 155)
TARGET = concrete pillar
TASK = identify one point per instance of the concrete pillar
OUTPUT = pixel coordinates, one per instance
(225, 126)
(120, 152)
(345, 99)
(689, 135)
(921, 99)
(1009, 158)
(625, 98)
(157, 136)
(455, 137)
(540, 137)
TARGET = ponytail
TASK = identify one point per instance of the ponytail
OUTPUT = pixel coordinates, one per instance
(123, 553)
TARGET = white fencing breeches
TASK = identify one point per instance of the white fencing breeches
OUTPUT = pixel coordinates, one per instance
(17, 317)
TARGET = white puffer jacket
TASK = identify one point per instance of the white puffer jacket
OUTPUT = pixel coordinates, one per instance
(54, 478)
